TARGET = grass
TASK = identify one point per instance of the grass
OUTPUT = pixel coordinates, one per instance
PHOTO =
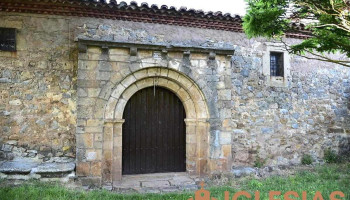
(306, 159)
(326, 179)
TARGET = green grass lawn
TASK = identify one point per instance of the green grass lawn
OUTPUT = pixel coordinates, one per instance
(326, 179)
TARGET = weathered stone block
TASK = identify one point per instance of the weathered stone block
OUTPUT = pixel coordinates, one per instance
(173, 64)
(153, 72)
(7, 147)
(106, 91)
(243, 171)
(130, 91)
(54, 168)
(17, 167)
(93, 154)
(119, 58)
(335, 130)
(226, 150)
(93, 129)
(155, 184)
(191, 138)
(119, 109)
(118, 141)
(128, 81)
(87, 140)
(86, 101)
(199, 56)
(173, 75)
(104, 66)
(96, 169)
(225, 138)
(94, 53)
(104, 76)
(119, 51)
(16, 102)
(224, 94)
(145, 53)
(88, 83)
(140, 74)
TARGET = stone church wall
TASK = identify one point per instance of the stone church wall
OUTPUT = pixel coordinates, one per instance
(45, 108)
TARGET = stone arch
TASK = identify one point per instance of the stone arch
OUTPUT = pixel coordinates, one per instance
(188, 92)
(138, 65)
(197, 116)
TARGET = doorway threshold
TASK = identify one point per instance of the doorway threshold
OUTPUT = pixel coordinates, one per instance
(157, 183)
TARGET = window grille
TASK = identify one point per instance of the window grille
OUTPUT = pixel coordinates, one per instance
(276, 64)
(7, 39)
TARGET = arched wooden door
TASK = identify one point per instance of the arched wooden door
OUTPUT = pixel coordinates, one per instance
(154, 134)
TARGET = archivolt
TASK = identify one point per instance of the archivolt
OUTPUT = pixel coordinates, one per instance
(188, 92)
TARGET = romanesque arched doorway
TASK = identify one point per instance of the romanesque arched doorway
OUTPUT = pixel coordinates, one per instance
(194, 103)
(154, 133)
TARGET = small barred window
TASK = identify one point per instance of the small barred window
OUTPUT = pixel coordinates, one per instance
(276, 64)
(7, 39)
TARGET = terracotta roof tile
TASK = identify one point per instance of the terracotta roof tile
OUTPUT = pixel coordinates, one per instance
(135, 12)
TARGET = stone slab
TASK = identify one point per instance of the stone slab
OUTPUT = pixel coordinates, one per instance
(181, 180)
(158, 182)
(154, 177)
(189, 187)
(127, 184)
(17, 167)
(149, 190)
(54, 168)
(170, 189)
(155, 184)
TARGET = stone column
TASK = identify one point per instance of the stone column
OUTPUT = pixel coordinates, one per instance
(226, 134)
(117, 150)
(202, 127)
(107, 151)
(197, 148)
(112, 152)
(191, 146)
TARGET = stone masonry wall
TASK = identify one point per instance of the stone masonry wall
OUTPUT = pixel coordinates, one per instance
(249, 119)
(38, 89)
(280, 124)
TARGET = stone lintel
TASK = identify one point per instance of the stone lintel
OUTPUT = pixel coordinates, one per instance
(162, 47)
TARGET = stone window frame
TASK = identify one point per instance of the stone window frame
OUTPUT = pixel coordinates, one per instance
(276, 81)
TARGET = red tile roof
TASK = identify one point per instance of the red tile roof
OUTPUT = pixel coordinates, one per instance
(133, 12)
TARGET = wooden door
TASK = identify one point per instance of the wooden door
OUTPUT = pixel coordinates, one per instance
(154, 138)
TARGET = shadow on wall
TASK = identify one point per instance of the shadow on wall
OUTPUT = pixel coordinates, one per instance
(344, 147)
